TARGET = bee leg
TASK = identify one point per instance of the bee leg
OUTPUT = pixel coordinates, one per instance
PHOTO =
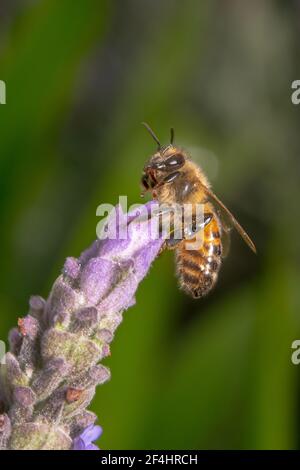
(207, 219)
(162, 249)
(196, 226)
(175, 236)
(172, 243)
(169, 244)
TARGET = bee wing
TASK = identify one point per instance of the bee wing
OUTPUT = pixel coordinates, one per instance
(232, 220)
(225, 234)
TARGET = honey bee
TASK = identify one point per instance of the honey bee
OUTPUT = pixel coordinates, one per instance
(173, 178)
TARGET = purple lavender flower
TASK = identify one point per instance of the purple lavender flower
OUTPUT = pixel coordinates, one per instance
(54, 362)
(85, 440)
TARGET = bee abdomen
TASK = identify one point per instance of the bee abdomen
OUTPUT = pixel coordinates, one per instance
(198, 269)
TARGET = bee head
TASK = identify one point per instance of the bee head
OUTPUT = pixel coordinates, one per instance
(163, 164)
(167, 157)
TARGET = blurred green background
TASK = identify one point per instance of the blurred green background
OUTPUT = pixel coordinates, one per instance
(81, 76)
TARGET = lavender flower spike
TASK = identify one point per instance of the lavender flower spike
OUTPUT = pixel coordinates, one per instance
(54, 363)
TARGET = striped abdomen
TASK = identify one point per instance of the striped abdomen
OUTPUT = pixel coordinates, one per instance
(198, 269)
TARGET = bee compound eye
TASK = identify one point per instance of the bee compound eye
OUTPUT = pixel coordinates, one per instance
(158, 166)
(175, 161)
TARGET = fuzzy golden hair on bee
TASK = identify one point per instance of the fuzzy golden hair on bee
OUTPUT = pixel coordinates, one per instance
(172, 177)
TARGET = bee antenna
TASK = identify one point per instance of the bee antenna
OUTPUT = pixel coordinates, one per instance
(172, 134)
(152, 134)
